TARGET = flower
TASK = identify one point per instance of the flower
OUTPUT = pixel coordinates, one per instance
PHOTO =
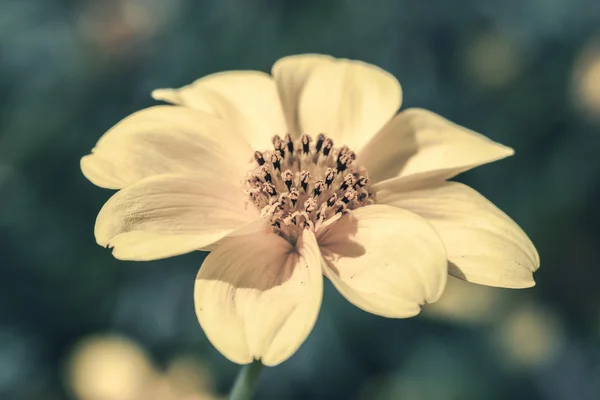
(289, 177)
(112, 367)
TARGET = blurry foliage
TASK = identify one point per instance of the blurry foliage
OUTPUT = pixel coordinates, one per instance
(524, 72)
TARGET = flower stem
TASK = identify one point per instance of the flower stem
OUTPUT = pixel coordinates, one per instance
(246, 381)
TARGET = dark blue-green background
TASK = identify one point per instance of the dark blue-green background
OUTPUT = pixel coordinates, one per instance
(524, 72)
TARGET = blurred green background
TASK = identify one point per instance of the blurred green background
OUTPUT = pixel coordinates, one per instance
(77, 324)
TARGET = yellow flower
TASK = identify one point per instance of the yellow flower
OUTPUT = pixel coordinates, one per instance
(289, 177)
(110, 367)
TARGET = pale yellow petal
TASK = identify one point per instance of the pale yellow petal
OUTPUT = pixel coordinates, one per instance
(348, 101)
(246, 100)
(420, 142)
(482, 243)
(385, 260)
(165, 139)
(257, 297)
(166, 215)
(290, 74)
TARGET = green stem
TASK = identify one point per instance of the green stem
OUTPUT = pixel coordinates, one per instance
(246, 381)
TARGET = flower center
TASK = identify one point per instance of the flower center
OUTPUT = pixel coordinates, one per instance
(300, 184)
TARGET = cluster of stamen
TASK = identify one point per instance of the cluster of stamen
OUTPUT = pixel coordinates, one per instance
(300, 184)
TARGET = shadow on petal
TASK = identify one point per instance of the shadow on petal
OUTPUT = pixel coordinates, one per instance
(339, 243)
(258, 297)
(456, 272)
(277, 260)
(385, 260)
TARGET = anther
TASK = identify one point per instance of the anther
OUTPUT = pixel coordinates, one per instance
(281, 200)
(305, 140)
(265, 173)
(319, 143)
(287, 177)
(344, 161)
(310, 205)
(345, 158)
(337, 207)
(329, 176)
(362, 182)
(319, 188)
(276, 160)
(259, 158)
(341, 206)
(327, 146)
(304, 177)
(279, 145)
(290, 143)
(254, 182)
(350, 156)
(349, 181)
(349, 196)
(332, 200)
(269, 188)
